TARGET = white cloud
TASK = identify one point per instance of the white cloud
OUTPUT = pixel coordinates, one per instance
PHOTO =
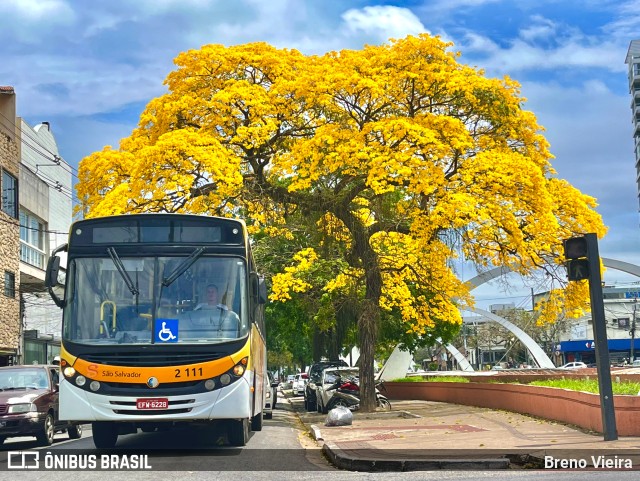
(383, 21)
(590, 132)
(522, 55)
(540, 28)
(626, 27)
(54, 11)
(83, 86)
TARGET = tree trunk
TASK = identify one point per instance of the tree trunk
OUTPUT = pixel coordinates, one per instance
(367, 328)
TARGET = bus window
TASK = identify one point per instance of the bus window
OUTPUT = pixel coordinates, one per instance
(122, 305)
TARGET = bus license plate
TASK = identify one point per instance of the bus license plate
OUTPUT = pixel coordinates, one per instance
(152, 403)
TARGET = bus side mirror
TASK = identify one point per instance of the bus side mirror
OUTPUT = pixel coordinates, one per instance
(53, 269)
(51, 276)
(262, 291)
(258, 288)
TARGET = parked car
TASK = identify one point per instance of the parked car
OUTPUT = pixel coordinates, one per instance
(288, 383)
(315, 372)
(271, 396)
(299, 382)
(327, 380)
(29, 404)
(574, 365)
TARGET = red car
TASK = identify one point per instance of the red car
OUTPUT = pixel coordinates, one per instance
(29, 404)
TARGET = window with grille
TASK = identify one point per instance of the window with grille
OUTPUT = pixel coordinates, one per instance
(9, 194)
(9, 284)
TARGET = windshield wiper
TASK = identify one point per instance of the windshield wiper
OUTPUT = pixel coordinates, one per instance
(182, 267)
(125, 275)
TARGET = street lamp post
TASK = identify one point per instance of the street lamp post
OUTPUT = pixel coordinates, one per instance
(633, 331)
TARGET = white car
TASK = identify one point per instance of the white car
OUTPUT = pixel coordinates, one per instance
(299, 382)
(270, 396)
(574, 365)
(288, 383)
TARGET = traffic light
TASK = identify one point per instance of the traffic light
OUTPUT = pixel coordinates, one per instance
(576, 253)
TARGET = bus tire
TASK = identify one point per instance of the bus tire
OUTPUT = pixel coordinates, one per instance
(238, 432)
(105, 435)
(256, 422)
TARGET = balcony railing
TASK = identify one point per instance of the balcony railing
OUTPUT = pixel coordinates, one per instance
(32, 255)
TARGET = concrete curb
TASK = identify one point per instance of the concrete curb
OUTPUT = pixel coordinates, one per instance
(341, 460)
(315, 432)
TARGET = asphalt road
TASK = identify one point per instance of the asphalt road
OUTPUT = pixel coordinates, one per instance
(280, 446)
(280, 451)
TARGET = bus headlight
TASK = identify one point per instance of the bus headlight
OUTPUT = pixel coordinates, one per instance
(94, 386)
(81, 380)
(225, 379)
(238, 369)
(209, 384)
(69, 371)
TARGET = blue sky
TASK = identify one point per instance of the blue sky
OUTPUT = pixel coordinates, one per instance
(89, 68)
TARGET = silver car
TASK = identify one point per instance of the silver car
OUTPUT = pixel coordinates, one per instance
(299, 383)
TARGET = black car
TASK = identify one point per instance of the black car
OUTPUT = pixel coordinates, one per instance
(29, 404)
(315, 372)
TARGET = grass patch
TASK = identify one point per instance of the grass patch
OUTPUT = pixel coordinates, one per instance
(409, 379)
(446, 379)
(589, 385)
(432, 379)
(585, 385)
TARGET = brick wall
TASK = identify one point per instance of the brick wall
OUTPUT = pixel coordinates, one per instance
(9, 254)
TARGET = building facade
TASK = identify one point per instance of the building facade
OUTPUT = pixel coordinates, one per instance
(622, 312)
(9, 231)
(46, 212)
(633, 62)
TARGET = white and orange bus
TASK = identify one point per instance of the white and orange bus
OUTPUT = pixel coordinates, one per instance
(141, 349)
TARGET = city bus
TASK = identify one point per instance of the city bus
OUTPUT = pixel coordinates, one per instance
(140, 347)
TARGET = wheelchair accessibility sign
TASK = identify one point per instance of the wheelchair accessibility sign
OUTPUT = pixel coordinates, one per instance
(166, 330)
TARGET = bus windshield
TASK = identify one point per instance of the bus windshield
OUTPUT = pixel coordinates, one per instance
(121, 299)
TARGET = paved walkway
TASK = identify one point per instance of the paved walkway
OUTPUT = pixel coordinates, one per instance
(418, 435)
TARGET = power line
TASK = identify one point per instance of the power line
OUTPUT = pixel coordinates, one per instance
(55, 158)
(22, 226)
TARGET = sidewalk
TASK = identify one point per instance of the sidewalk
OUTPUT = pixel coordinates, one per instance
(424, 435)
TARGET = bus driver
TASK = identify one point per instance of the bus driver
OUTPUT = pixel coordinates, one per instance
(225, 319)
(212, 299)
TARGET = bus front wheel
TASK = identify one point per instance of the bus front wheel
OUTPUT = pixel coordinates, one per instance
(238, 432)
(105, 435)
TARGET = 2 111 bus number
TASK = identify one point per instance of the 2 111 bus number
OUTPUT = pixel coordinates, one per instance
(193, 372)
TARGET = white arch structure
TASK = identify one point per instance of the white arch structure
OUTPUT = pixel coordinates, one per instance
(538, 354)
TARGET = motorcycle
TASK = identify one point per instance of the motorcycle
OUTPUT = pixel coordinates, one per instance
(381, 400)
(347, 394)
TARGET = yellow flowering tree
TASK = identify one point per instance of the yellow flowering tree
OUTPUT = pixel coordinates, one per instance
(398, 155)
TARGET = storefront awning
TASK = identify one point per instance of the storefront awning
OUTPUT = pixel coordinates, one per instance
(589, 345)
